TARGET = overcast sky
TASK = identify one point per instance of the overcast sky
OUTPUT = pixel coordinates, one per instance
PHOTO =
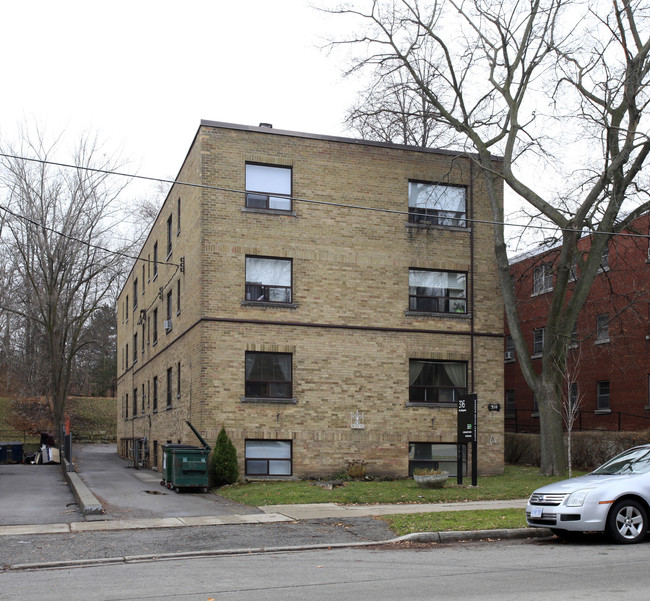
(143, 73)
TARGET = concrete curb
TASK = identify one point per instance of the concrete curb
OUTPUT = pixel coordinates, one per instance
(420, 537)
(86, 500)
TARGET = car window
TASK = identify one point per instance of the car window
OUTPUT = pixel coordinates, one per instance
(634, 461)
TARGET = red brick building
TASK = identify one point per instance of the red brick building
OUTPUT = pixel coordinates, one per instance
(609, 357)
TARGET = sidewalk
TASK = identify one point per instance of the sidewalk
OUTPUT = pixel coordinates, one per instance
(269, 514)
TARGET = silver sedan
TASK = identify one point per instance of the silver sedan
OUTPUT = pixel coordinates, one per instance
(615, 498)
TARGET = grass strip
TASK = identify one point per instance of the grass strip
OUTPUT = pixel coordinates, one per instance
(483, 519)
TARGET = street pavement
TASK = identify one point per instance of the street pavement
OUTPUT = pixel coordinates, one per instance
(40, 521)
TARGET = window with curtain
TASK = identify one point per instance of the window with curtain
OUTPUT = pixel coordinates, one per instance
(437, 291)
(268, 280)
(268, 375)
(437, 381)
(268, 187)
(437, 204)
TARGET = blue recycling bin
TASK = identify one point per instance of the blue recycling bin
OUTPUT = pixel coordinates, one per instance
(11, 452)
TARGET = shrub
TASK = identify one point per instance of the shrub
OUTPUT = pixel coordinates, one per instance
(356, 469)
(223, 468)
(521, 449)
(589, 449)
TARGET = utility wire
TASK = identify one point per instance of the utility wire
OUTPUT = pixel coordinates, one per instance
(304, 200)
(79, 240)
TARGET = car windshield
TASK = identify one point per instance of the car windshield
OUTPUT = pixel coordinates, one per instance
(634, 461)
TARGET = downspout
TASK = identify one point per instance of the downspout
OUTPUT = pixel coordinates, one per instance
(471, 271)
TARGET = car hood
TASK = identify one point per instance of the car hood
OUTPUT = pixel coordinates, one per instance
(588, 481)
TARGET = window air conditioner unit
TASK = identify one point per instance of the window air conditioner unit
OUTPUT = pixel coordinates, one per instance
(509, 355)
(167, 324)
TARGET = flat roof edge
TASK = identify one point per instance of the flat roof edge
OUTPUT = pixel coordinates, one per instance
(339, 139)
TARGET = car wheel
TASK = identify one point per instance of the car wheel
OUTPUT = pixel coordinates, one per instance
(627, 522)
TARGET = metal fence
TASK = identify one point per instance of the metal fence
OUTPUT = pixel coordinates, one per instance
(523, 421)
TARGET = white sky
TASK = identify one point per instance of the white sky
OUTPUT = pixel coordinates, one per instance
(142, 73)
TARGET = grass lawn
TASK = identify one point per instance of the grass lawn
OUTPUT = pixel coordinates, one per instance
(484, 519)
(516, 483)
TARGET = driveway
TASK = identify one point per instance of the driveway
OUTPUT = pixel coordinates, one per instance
(39, 494)
(35, 494)
(127, 493)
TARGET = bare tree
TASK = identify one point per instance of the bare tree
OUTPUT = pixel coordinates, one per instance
(571, 397)
(558, 82)
(61, 230)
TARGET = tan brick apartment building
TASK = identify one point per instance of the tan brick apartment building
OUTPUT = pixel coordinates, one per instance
(325, 299)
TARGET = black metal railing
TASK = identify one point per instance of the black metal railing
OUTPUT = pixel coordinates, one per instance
(525, 421)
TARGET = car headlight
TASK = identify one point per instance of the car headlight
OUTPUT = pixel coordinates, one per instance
(577, 498)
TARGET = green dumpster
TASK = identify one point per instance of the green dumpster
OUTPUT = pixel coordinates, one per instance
(186, 466)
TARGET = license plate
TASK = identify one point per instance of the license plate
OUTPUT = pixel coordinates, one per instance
(536, 512)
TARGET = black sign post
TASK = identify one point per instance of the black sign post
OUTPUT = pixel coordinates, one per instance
(467, 422)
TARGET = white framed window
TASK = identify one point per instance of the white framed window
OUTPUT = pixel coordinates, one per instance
(542, 279)
(603, 396)
(437, 291)
(268, 187)
(268, 457)
(268, 280)
(604, 260)
(538, 341)
(437, 204)
(602, 327)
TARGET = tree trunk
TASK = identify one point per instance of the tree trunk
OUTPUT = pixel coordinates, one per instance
(551, 432)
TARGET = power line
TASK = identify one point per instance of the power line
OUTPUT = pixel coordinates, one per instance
(305, 200)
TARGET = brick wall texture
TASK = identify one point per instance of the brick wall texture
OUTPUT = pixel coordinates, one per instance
(348, 329)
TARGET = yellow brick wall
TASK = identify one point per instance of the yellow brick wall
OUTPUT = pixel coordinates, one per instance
(349, 331)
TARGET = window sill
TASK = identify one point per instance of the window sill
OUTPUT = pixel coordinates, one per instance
(431, 226)
(169, 408)
(431, 405)
(268, 304)
(269, 211)
(536, 356)
(534, 294)
(409, 313)
(509, 361)
(534, 414)
(603, 341)
(269, 400)
(603, 412)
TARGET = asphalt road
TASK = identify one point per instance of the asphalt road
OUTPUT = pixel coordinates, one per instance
(493, 571)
